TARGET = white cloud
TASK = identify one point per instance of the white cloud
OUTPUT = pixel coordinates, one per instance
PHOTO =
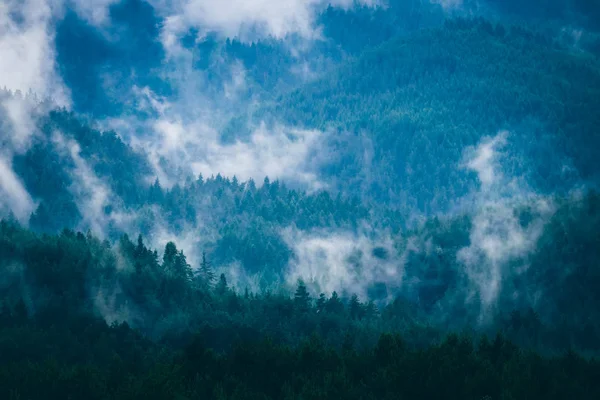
(94, 11)
(245, 19)
(342, 261)
(190, 143)
(27, 48)
(91, 194)
(27, 64)
(484, 159)
(190, 240)
(280, 153)
(28, 61)
(19, 117)
(13, 195)
(498, 237)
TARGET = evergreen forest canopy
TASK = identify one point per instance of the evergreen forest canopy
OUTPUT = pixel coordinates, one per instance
(325, 199)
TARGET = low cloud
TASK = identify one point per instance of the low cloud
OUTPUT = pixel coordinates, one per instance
(483, 160)
(343, 261)
(99, 207)
(13, 196)
(245, 19)
(499, 240)
(280, 153)
(190, 240)
(109, 304)
(449, 4)
(190, 144)
(28, 73)
(27, 48)
(27, 65)
(95, 12)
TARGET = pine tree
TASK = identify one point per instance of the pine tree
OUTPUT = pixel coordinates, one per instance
(169, 256)
(371, 310)
(175, 263)
(155, 193)
(302, 297)
(222, 286)
(182, 269)
(206, 273)
(321, 303)
(356, 308)
(334, 304)
(140, 249)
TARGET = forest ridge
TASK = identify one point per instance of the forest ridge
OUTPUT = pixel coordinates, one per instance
(289, 199)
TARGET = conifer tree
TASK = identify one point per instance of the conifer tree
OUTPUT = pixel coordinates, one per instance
(355, 308)
(321, 302)
(334, 304)
(222, 286)
(169, 256)
(206, 273)
(302, 297)
(371, 310)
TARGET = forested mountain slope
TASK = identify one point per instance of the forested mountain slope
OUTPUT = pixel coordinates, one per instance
(58, 291)
(550, 292)
(347, 199)
(420, 106)
(420, 100)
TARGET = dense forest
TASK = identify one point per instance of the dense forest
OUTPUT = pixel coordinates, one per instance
(346, 199)
(410, 95)
(176, 332)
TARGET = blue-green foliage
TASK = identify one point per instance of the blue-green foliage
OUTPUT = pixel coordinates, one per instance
(422, 99)
(400, 93)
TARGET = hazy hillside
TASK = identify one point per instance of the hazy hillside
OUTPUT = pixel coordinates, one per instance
(420, 100)
(349, 199)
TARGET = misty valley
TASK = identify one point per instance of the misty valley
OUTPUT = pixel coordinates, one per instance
(285, 199)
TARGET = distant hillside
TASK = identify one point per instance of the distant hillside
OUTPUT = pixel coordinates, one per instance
(420, 100)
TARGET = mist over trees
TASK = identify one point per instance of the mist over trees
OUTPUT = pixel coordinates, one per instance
(283, 199)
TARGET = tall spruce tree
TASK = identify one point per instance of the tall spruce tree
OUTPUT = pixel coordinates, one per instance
(302, 297)
(206, 274)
